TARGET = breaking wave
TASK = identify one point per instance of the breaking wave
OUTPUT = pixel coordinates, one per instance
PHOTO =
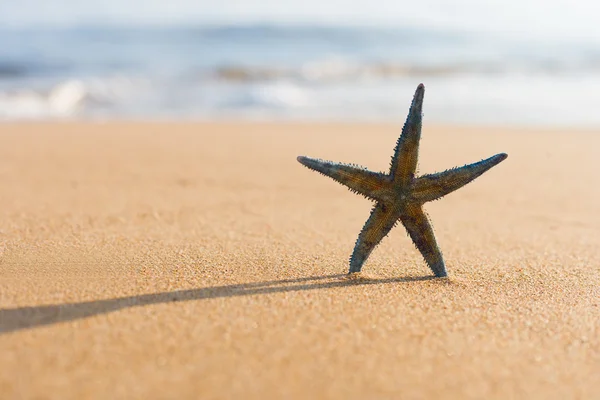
(335, 71)
(67, 99)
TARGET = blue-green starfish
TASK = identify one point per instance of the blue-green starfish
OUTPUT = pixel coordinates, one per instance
(400, 195)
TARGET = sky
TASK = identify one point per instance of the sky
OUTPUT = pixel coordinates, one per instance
(562, 18)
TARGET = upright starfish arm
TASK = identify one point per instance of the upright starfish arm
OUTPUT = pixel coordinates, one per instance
(382, 220)
(420, 231)
(406, 153)
(433, 186)
(372, 185)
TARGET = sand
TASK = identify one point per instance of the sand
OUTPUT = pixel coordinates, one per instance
(143, 260)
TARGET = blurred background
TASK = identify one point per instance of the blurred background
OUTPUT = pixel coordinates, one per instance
(510, 62)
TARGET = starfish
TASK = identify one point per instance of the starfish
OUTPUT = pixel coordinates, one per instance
(399, 194)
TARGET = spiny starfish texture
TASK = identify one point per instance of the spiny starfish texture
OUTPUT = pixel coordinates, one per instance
(399, 195)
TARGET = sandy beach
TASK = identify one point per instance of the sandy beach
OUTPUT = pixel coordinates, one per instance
(160, 260)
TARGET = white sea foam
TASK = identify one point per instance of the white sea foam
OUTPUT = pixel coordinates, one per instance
(61, 102)
(281, 95)
(66, 97)
(72, 98)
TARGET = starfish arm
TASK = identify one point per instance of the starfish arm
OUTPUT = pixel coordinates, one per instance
(406, 153)
(370, 184)
(382, 220)
(420, 231)
(433, 186)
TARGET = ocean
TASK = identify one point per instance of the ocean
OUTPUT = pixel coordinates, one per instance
(307, 69)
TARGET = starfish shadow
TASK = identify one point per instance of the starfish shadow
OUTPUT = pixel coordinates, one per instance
(15, 319)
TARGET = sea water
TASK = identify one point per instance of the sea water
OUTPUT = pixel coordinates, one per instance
(525, 62)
